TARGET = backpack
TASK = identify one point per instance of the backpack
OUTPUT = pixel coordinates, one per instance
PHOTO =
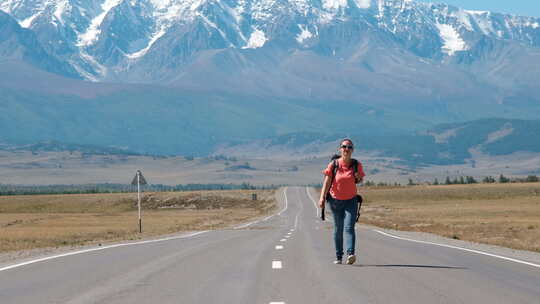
(335, 165)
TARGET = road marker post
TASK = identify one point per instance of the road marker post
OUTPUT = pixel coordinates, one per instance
(139, 180)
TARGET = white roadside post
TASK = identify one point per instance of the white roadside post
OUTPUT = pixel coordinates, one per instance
(139, 180)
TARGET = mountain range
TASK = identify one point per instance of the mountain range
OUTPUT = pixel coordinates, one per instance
(187, 77)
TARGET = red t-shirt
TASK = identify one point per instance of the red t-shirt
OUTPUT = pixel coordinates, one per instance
(343, 186)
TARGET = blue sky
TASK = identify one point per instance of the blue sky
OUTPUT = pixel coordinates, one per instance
(516, 7)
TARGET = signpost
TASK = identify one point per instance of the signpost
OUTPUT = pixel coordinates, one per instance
(139, 180)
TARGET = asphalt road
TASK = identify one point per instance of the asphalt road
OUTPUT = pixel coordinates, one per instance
(286, 258)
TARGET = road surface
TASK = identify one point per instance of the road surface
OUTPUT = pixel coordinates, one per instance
(286, 258)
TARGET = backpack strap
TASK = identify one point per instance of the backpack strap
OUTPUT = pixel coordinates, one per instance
(355, 167)
(335, 165)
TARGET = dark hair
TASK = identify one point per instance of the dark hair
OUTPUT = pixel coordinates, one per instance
(335, 156)
(346, 139)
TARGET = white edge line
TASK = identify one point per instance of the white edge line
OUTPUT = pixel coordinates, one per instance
(100, 248)
(442, 245)
(315, 204)
(313, 200)
(286, 202)
(460, 248)
(266, 218)
(131, 244)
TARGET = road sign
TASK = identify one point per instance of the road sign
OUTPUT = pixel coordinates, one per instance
(142, 180)
(139, 180)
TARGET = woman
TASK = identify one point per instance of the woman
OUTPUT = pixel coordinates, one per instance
(342, 199)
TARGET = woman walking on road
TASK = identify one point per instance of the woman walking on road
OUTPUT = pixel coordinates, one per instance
(341, 190)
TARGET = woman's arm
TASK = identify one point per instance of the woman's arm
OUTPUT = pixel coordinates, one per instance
(324, 190)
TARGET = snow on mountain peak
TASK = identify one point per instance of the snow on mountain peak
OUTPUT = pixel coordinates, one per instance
(452, 40)
(61, 8)
(143, 51)
(477, 12)
(82, 26)
(304, 34)
(27, 23)
(256, 40)
(93, 31)
(165, 14)
(363, 3)
(334, 4)
(7, 5)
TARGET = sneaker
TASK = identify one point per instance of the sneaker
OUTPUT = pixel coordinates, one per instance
(351, 258)
(338, 262)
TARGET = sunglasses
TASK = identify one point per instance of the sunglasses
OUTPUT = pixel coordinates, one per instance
(347, 147)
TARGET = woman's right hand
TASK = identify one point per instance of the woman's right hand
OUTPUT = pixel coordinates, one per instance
(321, 203)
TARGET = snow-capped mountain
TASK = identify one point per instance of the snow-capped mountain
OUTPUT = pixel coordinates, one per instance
(215, 70)
(121, 39)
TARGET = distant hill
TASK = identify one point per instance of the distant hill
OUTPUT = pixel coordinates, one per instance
(443, 144)
(54, 146)
(491, 136)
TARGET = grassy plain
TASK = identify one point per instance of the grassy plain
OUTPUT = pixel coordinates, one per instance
(39, 221)
(500, 214)
(267, 166)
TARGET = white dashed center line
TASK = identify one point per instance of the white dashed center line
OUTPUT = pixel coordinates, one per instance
(276, 265)
(283, 240)
(287, 236)
(277, 302)
(279, 247)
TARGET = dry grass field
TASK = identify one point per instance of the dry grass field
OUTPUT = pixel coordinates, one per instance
(40, 221)
(500, 214)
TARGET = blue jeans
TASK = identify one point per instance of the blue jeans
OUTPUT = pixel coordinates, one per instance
(344, 219)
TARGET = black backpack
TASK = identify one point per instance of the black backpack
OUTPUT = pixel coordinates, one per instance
(335, 165)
